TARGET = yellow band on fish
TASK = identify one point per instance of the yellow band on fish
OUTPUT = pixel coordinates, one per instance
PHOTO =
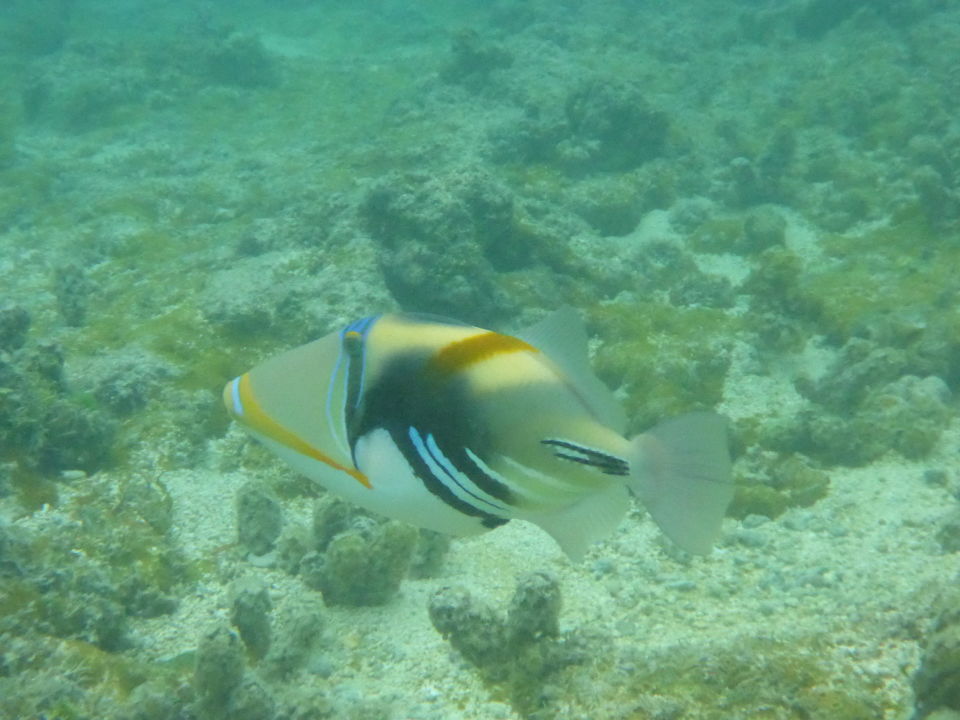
(461, 354)
(238, 396)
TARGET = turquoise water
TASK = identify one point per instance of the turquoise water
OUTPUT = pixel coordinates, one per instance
(754, 206)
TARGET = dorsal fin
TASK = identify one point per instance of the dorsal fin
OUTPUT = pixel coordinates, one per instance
(562, 337)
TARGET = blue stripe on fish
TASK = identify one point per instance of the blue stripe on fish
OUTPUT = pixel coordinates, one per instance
(430, 473)
(459, 477)
(349, 374)
(444, 471)
(235, 396)
(354, 342)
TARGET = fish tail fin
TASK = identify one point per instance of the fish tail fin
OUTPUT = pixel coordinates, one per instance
(680, 470)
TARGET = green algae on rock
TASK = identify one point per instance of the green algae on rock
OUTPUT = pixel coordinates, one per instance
(775, 484)
(250, 615)
(259, 518)
(518, 652)
(948, 534)
(357, 559)
(429, 554)
(937, 680)
(362, 565)
(297, 637)
(444, 239)
(218, 671)
(86, 578)
(612, 127)
(669, 360)
(44, 426)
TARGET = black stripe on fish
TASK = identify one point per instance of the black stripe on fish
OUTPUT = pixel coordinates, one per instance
(451, 473)
(353, 352)
(604, 462)
(403, 396)
(437, 486)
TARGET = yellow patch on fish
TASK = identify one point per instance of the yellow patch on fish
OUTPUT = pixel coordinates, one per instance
(462, 354)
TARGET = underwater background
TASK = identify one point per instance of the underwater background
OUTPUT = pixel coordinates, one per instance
(756, 208)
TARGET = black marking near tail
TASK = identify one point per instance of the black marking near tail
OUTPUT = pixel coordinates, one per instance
(604, 462)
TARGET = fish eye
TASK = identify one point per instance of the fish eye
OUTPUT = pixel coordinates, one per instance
(352, 340)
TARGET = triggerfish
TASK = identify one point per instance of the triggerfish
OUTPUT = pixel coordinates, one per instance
(458, 429)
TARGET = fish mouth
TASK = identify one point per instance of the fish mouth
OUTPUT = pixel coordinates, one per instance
(231, 399)
(242, 406)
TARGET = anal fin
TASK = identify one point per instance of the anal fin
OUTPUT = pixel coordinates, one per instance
(578, 526)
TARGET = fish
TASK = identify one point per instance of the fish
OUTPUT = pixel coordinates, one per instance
(458, 429)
